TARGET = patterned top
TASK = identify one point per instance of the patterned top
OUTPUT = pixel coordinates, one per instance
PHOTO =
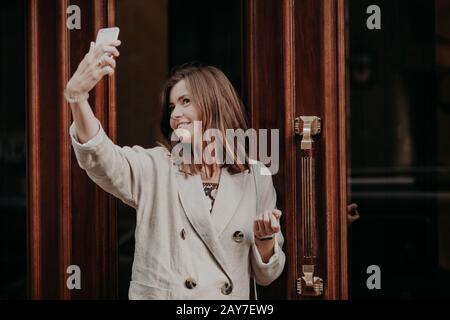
(210, 192)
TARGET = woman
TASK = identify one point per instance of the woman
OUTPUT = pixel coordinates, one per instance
(191, 242)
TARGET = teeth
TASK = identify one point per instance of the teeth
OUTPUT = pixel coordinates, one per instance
(184, 124)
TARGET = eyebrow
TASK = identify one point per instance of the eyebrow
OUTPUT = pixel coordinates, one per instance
(179, 98)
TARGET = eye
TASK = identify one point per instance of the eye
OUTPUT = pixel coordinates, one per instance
(186, 101)
(171, 107)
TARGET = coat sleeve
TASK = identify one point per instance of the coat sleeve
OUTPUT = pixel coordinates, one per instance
(117, 170)
(266, 273)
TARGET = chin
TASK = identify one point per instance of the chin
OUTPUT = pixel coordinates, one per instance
(184, 135)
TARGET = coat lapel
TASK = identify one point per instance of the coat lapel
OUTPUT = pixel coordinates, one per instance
(192, 199)
(229, 195)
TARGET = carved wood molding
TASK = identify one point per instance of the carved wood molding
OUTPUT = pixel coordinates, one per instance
(335, 155)
(263, 42)
(70, 220)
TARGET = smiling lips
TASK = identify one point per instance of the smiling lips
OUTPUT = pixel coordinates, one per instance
(183, 125)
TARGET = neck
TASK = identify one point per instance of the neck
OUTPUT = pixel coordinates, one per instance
(210, 173)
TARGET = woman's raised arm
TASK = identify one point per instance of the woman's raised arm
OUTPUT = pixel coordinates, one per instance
(96, 64)
(122, 171)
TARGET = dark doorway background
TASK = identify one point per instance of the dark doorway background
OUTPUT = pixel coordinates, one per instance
(399, 170)
(208, 32)
(13, 251)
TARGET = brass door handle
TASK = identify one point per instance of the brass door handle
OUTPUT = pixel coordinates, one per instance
(308, 284)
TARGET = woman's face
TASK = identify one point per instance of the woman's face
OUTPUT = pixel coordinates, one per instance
(183, 112)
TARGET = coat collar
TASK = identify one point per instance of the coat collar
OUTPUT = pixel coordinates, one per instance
(232, 188)
(209, 226)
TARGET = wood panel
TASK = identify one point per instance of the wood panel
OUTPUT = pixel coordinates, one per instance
(70, 220)
(44, 149)
(320, 90)
(295, 60)
(290, 150)
(341, 183)
(65, 212)
(264, 87)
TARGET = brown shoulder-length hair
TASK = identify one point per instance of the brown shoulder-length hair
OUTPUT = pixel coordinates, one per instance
(219, 105)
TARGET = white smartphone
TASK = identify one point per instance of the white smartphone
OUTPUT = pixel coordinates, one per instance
(107, 35)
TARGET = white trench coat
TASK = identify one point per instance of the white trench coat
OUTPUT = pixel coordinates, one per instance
(183, 251)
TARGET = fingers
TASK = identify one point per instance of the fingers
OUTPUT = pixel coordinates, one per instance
(88, 57)
(101, 50)
(107, 70)
(95, 65)
(267, 223)
(277, 213)
(274, 223)
(262, 229)
(114, 43)
(266, 219)
(256, 229)
(107, 60)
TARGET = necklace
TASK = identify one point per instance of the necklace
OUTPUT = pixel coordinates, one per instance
(210, 190)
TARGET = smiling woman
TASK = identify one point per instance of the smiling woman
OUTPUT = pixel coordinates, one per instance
(172, 41)
(184, 248)
(214, 104)
(183, 112)
(168, 197)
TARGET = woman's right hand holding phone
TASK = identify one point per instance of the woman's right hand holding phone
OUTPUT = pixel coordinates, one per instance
(98, 62)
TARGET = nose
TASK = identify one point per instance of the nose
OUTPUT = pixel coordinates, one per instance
(176, 113)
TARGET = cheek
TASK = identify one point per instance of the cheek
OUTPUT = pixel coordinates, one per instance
(194, 113)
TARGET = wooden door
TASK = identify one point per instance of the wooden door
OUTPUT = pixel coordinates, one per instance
(296, 67)
(71, 222)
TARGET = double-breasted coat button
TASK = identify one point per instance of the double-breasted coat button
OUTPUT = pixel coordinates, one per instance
(190, 283)
(238, 236)
(183, 234)
(226, 288)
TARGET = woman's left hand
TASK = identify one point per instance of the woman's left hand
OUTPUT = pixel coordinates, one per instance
(267, 223)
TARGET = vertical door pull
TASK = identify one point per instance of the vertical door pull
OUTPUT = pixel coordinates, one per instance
(308, 284)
